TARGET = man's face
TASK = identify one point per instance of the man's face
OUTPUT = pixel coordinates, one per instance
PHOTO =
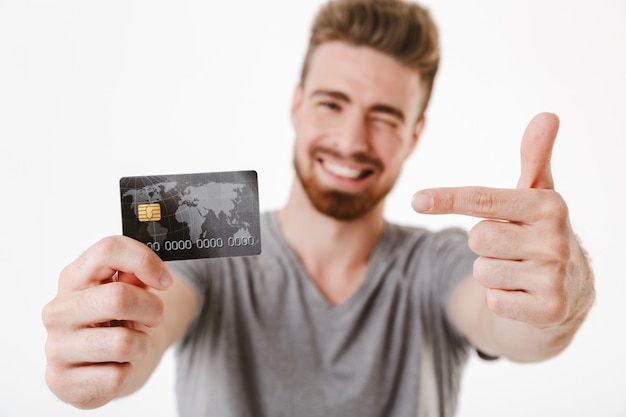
(355, 119)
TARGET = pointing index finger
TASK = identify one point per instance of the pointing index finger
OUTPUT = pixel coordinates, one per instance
(483, 202)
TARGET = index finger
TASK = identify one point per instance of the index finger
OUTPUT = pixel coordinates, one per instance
(115, 254)
(489, 203)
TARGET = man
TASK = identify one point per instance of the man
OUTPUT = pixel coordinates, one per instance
(343, 313)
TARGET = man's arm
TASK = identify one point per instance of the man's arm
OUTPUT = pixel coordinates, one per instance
(532, 285)
(107, 327)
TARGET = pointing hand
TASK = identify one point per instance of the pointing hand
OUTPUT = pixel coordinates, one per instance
(525, 245)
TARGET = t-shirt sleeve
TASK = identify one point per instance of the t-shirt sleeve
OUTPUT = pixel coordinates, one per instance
(445, 261)
(458, 261)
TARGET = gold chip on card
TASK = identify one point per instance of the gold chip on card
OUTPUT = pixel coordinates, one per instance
(149, 212)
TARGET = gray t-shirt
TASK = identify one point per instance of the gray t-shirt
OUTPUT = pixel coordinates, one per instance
(265, 341)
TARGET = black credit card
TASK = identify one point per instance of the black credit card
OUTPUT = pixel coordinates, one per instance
(191, 216)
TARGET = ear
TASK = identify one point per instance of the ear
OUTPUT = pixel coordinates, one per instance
(417, 131)
(296, 102)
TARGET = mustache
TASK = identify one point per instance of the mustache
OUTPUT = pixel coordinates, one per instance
(357, 157)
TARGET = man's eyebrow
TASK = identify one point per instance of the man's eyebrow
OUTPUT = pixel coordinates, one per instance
(376, 108)
(384, 108)
(332, 93)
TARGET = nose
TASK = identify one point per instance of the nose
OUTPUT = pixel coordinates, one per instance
(351, 135)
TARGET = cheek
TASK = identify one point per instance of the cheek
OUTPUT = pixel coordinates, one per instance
(392, 151)
(305, 125)
(311, 128)
(306, 133)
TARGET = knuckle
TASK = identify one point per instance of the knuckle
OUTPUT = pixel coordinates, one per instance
(159, 307)
(106, 302)
(474, 238)
(115, 379)
(106, 382)
(555, 309)
(53, 349)
(129, 345)
(55, 315)
(562, 251)
(49, 315)
(107, 247)
(68, 270)
(146, 261)
(553, 207)
(87, 387)
(122, 343)
(556, 251)
(484, 201)
(479, 269)
(487, 234)
(477, 237)
(54, 377)
(118, 298)
(484, 273)
(494, 303)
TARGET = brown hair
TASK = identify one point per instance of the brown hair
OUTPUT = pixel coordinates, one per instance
(397, 28)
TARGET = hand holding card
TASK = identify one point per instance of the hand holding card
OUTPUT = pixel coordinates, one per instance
(190, 216)
(101, 323)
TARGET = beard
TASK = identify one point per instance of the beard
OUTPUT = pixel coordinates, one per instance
(337, 204)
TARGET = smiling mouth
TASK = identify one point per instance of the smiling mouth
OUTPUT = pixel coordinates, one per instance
(346, 172)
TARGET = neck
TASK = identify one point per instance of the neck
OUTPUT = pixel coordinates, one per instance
(330, 249)
(299, 218)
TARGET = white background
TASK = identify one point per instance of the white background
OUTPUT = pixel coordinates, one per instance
(94, 90)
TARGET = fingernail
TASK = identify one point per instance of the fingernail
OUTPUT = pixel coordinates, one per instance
(166, 278)
(422, 202)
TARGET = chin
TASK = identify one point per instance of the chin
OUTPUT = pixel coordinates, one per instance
(344, 205)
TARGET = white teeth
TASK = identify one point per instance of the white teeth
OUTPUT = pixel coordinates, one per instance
(342, 171)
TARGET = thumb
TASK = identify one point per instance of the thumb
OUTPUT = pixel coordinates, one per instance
(536, 151)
